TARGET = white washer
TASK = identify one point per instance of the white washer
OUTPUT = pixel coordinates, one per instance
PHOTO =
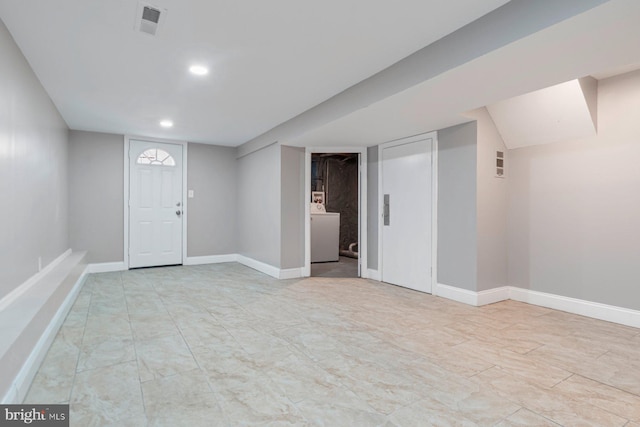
(325, 234)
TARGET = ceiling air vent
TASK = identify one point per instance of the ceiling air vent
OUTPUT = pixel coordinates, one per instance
(148, 18)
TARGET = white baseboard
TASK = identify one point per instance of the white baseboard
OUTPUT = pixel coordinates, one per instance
(15, 294)
(33, 320)
(287, 273)
(456, 294)
(32, 364)
(106, 267)
(491, 296)
(291, 273)
(260, 266)
(373, 274)
(211, 259)
(610, 313)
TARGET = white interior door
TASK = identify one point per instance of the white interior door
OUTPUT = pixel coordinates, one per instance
(155, 204)
(406, 190)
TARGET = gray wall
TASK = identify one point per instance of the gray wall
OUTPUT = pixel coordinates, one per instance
(492, 206)
(212, 212)
(457, 190)
(259, 222)
(292, 207)
(33, 171)
(574, 207)
(372, 208)
(96, 179)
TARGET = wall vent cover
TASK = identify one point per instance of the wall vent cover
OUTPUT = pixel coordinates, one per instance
(500, 164)
(148, 18)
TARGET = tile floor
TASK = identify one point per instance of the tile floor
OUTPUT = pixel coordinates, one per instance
(223, 345)
(345, 267)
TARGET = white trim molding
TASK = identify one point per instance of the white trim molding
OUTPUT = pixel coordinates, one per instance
(456, 294)
(291, 273)
(268, 269)
(259, 266)
(373, 274)
(32, 318)
(21, 289)
(106, 267)
(30, 368)
(609, 313)
(494, 295)
(211, 259)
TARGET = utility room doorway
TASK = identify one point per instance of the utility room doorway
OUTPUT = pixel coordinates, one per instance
(334, 214)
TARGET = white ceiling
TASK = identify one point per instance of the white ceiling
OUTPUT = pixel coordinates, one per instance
(601, 42)
(270, 60)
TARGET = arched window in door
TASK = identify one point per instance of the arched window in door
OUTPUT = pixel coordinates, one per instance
(157, 157)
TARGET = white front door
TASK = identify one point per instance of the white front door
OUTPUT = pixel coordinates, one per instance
(155, 204)
(406, 190)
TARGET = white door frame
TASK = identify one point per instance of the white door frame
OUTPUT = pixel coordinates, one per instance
(127, 139)
(434, 201)
(362, 204)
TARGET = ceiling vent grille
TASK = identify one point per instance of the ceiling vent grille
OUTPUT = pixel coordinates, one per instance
(148, 18)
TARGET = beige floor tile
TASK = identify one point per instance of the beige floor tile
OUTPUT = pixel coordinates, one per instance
(551, 404)
(257, 403)
(181, 399)
(428, 412)
(149, 326)
(603, 396)
(106, 396)
(99, 328)
(526, 418)
(534, 371)
(54, 379)
(225, 345)
(162, 357)
(106, 353)
(341, 409)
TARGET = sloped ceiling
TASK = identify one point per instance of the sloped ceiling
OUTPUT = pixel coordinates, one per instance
(558, 113)
(600, 41)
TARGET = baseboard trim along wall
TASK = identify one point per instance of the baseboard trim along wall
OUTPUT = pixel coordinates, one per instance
(211, 259)
(106, 267)
(270, 270)
(31, 321)
(609, 313)
(288, 273)
(456, 294)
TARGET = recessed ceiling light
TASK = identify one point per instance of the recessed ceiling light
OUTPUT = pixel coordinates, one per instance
(166, 123)
(199, 70)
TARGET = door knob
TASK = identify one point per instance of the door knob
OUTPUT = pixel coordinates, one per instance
(178, 212)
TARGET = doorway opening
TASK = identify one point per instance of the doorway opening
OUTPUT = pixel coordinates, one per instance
(336, 213)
